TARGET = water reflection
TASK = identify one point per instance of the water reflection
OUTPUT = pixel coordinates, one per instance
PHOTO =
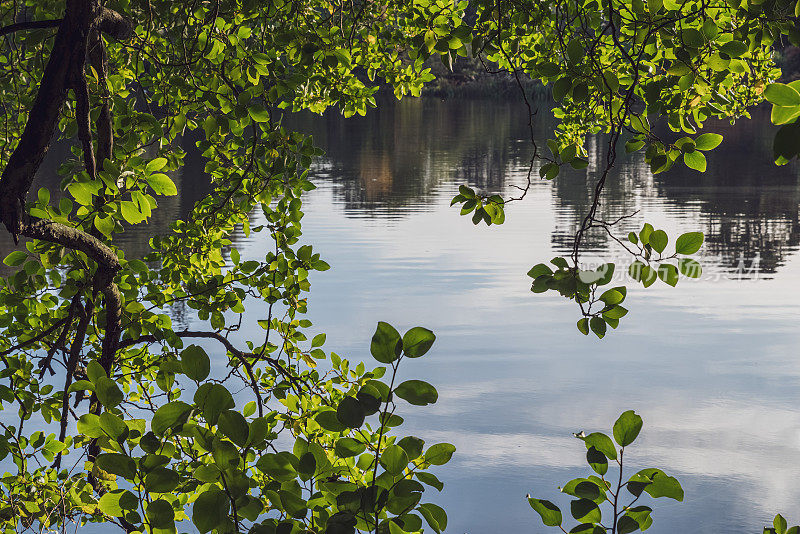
(399, 154)
(711, 365)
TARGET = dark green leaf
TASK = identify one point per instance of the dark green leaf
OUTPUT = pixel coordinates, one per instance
(168, 416)
(195, 363)
(585, 511)
(417, 392)
(350, 413)
(394, 459)
(108, 393)
(549, 512)
(417, 341)
(233, 425)
(439, 454)
(117, 464)
(210, 510)
(386, 344)
(627, 428)
(689, 243)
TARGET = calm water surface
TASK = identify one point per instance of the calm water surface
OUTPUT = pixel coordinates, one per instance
(712, 365)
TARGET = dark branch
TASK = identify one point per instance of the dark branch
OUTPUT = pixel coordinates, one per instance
(112, 23)
(75, 239)
(30, 25)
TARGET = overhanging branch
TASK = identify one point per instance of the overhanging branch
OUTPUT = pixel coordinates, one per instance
(30, 25)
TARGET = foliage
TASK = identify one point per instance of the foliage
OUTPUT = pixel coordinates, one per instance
(643, 74)
(650, 265)
(119, 416)
(780, 526)
(123, 416)
(595, 491)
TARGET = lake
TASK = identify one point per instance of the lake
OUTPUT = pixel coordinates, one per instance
(711, 365)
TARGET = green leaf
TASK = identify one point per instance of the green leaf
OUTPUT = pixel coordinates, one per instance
(417, 341)
(210, 510)
(207, 473)
(155, 165)
(394, 459)
(695, 160)
(781, 95)
(117, 464)
(318, 340)
(347, 447)
(597, 461)
(108, 393)
(161, 480)
(783, 115)
(413, 446)
(160, 514)
(225, 454)
(417, 392)
(258, 112)
(659, 484)
(169, 416)
(602, 443)
(734, 48)
(612, 296)
(16, 258)
(707, 141)
(386, 344)
(598, 326)
(626, 525)
(434, 515)
(212, 400)
(81, 385)
(106, 225)
(89, 425)
(429, 479)
(690, 268)
(279, 466)
(350, 412)
(780, 524)
(689, 243)
(162, 184)
(95, 371)
(116, 503)
(659, 240)
(195, 363)
(81, 192)
(668, 273)
(440, 453)
(627, 428)
(307, 466)
(549, 512)
(113, 426)
(327, 419)
(233, 425)
(539, 270)
(584, 488)
(130, 212)
(585, 511)
(583, 326)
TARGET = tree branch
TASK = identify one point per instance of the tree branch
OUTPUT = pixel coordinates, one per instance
(30, 25)
(112, 23)
(75, 239)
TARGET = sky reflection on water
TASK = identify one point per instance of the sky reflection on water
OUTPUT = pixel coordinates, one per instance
(711, 365)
